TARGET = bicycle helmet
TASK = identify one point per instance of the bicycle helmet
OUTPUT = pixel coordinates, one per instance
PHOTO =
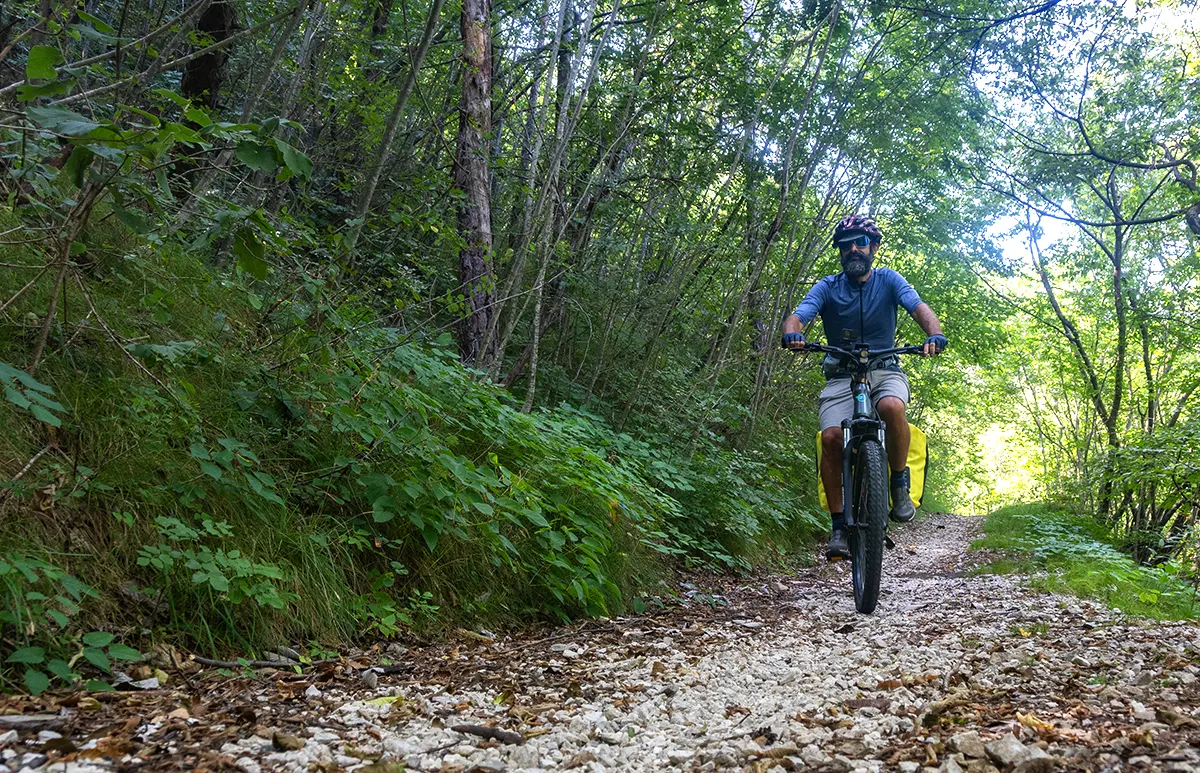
(854, 225)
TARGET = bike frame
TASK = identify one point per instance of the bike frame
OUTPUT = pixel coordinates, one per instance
(865, 423)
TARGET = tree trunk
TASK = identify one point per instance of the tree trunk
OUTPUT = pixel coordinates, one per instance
(517, 272)
(389, 134)
(202, 77)
(475, 275)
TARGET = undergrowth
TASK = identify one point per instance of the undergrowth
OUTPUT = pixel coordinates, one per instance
(234, 464)
(1065, 553)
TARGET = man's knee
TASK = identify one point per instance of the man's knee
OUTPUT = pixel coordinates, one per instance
(890, 408)
(831, 440)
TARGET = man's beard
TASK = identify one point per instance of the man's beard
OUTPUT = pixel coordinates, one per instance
(856, 267)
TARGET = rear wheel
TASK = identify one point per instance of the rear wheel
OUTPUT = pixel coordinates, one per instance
(870, 517)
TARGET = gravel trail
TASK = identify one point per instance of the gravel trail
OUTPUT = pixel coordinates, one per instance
(954, 672)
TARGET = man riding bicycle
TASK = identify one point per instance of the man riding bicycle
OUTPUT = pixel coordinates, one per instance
(859, 305)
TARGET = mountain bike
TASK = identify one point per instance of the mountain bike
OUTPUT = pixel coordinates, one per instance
(864, 472)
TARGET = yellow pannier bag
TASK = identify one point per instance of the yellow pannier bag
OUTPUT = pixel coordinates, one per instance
(918, 456)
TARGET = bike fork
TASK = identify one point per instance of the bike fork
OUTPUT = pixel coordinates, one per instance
(849, 450)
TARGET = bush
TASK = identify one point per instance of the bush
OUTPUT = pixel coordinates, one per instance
(252, 471)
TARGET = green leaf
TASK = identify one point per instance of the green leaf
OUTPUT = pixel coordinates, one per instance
(45, 402)
(61, 120)
(43, 415)
(60, 669)
(27, 655)
(179, 100)
(42, 62)
(383, 509)
(96, 685)
(16, 398)
(431, 535)
(36, 681)
(98, 639)
(134, 221)
(122, 652)
(260, 158)
(197, 116)
(77, 165)
(98, 659)
(28, 92)
(97, 23)
(249, 251)
(296, 161)
(9, 372)
(211, 470)
(90, 32)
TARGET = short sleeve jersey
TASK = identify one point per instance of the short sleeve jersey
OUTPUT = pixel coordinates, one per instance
(854, 312)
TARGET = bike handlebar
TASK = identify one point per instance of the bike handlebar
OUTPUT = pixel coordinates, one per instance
(871, 356)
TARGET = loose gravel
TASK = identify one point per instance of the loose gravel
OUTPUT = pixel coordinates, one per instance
(956, 671)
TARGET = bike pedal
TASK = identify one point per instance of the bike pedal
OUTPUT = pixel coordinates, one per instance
(888, 542)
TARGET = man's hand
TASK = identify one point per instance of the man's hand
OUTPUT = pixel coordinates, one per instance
(935, 344)
(793, 341)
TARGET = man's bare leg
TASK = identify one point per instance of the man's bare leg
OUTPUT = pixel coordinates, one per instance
(891, 410)
(899, 436)
(831, 467)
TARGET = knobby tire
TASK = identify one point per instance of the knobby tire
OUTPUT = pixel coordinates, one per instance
(870, 510)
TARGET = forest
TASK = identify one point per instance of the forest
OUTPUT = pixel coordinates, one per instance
(330, 320)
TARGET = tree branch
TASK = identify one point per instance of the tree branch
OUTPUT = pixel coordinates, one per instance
(155, 69)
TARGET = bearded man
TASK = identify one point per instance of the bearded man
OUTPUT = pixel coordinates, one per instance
(859, 306)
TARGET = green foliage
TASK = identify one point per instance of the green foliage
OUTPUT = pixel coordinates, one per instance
(368, 485)
(40, 601)
(1072, 554)
(224, 572)
(26, 392)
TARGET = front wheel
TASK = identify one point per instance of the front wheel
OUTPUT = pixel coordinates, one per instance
(870, 517)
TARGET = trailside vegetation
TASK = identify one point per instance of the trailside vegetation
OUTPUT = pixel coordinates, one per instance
(1065, 553)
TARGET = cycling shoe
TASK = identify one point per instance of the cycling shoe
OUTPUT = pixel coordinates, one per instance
(903, 510)
(839, 545)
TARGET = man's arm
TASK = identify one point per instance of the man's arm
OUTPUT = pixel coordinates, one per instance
(792, 324)
(930, 324)
(805, 313)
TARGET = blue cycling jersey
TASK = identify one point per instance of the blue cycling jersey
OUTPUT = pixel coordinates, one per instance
(852, 312)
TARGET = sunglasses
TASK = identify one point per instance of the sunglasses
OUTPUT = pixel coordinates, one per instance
(859, 241)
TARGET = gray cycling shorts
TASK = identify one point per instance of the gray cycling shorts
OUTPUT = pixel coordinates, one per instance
(837, 402)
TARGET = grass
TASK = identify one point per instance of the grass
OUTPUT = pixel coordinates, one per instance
(1072, 554)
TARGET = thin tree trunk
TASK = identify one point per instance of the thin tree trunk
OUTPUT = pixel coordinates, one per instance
(316, 19)
(268, 71)
(475, 274)
(389, 134)
(564, 128)
(517, 272)
(773, 231)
